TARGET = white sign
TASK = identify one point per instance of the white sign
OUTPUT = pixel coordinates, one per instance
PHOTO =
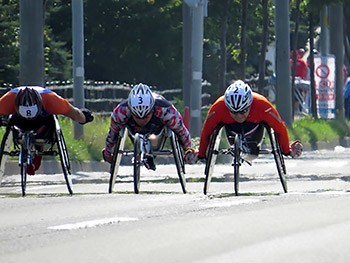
(325, 86)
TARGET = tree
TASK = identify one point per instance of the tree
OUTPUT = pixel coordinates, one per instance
(9, 42)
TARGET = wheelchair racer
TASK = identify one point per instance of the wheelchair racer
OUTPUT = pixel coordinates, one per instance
(243, 111)
(146, 112)
(31, 107)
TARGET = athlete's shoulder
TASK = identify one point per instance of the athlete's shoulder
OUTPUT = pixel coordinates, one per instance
(37, 88)
(260, 99)
(160, 101)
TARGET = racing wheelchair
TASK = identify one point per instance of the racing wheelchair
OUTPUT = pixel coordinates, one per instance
(144, 147)
(240, 148)
(27, 143)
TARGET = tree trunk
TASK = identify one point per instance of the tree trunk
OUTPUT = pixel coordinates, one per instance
(312, 68)
(223, 51)
(243, 43)
(265, 37)
(294, 48)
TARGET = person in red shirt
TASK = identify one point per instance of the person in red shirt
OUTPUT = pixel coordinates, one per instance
(30, 108)
(301, 68)
(241, 110)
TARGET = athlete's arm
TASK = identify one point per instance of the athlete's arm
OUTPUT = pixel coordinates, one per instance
(75, 114)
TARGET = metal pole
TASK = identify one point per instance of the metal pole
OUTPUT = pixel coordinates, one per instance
(283, 88)
(186, 53)
(337, 48)
(324, 36)
(31, 43)
(78, 60)
(199, 10)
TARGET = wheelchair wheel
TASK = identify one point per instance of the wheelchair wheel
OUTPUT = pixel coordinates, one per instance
(279, 159)
(23, 165)
(237, 162)
(179, 161)
(137, 163)
(212, 154)
(5, 146)
(117, 157)
(64, 158)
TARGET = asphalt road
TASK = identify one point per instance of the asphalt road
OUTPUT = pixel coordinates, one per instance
(311, 223)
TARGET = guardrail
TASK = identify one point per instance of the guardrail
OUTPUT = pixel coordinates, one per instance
(102, 98)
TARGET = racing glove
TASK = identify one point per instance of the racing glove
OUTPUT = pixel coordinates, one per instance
(88, 116)
(191, 156)
(296, 148)
(107, 156)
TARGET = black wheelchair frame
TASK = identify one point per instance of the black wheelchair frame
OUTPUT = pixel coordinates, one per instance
(25, 145)
(237, 151)
(140, 151)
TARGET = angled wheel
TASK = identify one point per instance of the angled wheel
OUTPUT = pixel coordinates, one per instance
(279, 159)
(4, 148)
(179, 161)
(137, 162)
(64, 158)
(212, 154)
(117, 157)
(237, 162)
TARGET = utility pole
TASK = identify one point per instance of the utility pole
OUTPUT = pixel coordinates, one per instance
(337, 48)
(186, 53)
(31, 58)
(324, 36)
(78, 60)
(198, 9)
(283, 87)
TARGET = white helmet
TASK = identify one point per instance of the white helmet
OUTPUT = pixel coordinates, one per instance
(238, 96)
(141, 100)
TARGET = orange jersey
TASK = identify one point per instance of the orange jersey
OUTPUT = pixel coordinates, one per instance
(52, 102)
(261, 110)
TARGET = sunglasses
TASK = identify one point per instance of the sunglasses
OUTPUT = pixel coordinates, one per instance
(240, 112)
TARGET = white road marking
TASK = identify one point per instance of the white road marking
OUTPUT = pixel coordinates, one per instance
(93, 223)
(231, 203)
(334, 164)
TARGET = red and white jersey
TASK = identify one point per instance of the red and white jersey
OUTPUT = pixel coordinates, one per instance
(164, 114)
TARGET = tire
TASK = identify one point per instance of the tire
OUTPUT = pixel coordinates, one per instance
(137, 163)
(279, 160)
(64, 158)
(4, 147)
(212, 154)
(179, 161)
(117, 157)
(23, 165)
(237, 163)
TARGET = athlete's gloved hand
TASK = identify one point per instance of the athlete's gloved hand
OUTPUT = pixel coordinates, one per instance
(191, 156)
(88, 116)
(3, 120)
(107, 156)
(296, 148)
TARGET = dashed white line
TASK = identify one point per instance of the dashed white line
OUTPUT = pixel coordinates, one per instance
(231, 203)
(93, 223)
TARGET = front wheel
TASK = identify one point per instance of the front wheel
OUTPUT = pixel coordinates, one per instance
(23, 165)
(137, 163)
(237, 162)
